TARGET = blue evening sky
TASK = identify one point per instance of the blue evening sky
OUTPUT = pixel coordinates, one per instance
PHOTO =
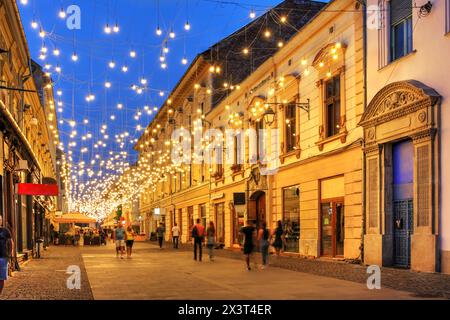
(210, 21)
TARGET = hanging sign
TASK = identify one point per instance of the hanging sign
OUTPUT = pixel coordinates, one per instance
(31, 189)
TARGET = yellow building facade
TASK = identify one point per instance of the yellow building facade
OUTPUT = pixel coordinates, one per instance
(304, 169)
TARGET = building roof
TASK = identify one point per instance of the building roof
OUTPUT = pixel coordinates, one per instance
(228, 53)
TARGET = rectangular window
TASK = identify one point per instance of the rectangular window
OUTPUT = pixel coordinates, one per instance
(447, 16)
(290, 127)
(333, 105)
(220, 222)
(203, 214)
(260, 139)
(401, 28)
(291, 218)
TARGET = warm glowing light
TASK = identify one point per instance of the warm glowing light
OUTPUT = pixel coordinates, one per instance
(252, 14)
(62, 13)
(112, 64)
(34, 24)
(158, 31)
(133, 54)
(107, 29)
(187, 26)
(245, 51)
(74, 57)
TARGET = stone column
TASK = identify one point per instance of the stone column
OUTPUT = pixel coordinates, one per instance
(373, 238)
(424, 241)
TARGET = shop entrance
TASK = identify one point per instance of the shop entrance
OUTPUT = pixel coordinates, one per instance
(257, 207)
(332, 227)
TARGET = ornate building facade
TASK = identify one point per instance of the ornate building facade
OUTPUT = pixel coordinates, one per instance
(405, 129)
(28, 136)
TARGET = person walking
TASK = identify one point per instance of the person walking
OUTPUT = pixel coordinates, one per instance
(278, 241)
(120, 240)
(263, 238)
(6, 251)
(175, 235)
(198, 233)
(160, 234)
(129, 239)
(211, 240)
(249, 243)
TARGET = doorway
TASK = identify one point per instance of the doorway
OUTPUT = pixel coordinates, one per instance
(403, 186)
(332, 227)
(257, 207)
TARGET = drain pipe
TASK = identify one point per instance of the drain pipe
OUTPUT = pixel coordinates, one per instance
(363, 204)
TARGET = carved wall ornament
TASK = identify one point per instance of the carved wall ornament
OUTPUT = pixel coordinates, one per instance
(422, 116)
(398, 99)
(370, 134)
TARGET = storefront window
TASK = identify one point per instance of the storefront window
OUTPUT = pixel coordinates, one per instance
(220, 222)
(291, 218)
(203, 214)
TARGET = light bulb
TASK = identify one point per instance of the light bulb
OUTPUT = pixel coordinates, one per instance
(113, 117)
(245, 51)
(56, 52)
(42, 33)
(163, 65)
(107, 84)
(267, 33)
(283, 19)
(58, 69)
(125, 69)
(34, 24)
(158, 31)
(107, 29)
(143, 81)
(62, 13)
(184, 60)
(162, 58)
(74, 57)
(59, 93)
(304, 62)
(133, 54)
(166, 49)
(139, 91)
(161, 93)
(44, 49)
(187, 26)
(24, 2)
(119, 106)
(116, 28)
(252, 14)
(280, 44)
(112, 64)
(172, 34)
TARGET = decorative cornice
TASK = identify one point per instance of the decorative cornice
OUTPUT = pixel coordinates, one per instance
(396, 100)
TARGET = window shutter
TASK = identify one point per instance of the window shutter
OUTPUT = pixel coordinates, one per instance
(400, 10)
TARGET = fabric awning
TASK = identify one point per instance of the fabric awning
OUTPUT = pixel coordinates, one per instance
(74, 218)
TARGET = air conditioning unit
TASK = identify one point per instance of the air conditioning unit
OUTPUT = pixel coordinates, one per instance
(22, 165)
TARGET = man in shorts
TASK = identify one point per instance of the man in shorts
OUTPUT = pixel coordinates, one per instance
(6, 247)
(120, 240)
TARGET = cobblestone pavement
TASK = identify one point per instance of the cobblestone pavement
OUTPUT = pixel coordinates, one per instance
(46, 278)
(174, 275)
(420, 284)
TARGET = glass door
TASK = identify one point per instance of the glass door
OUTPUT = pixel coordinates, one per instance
(327, 230)
(332, 228)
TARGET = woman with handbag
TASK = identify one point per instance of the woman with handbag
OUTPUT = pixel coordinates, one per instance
(211, 240)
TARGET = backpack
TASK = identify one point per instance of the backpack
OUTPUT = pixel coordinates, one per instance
(194, 232)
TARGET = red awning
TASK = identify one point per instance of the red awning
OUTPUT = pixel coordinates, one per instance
(31, 189)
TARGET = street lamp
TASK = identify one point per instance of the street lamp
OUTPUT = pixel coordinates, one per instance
(269, 116)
